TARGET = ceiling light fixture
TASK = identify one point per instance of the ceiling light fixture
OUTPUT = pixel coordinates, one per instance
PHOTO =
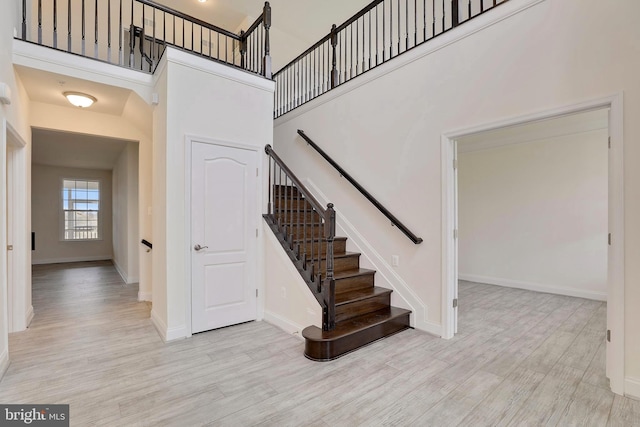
(202, 1)
(79, 99)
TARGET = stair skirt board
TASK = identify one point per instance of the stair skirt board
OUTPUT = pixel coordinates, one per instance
(363, 310)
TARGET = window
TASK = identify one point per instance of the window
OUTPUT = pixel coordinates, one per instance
(81, 209)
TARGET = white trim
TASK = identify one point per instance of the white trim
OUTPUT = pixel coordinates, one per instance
(168, 334)
(285, 324)
(30, 315)
(72, 259)
(402, 295)
(616, 278)
(176, 56)
(4, 362)
(145, 296)
(632, 387)
(189, 140)
(121, 272)
(479, 23)
(537, 287)
(20, 217)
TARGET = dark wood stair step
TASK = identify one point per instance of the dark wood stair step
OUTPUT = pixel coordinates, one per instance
(339, 245)
(341, 262)
(360, 302)
(297, 216)
(351, 280)
(354, 333)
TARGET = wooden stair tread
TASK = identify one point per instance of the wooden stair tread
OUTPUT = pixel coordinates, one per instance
(336, 256)
(353, 273)
(354, 325)
(360, 294)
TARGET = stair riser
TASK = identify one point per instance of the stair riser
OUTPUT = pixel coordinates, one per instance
(282, 204)
(339, 247)
(322, 351)
(349, 262)
(297, 217)
(356, 308)
(355, 283)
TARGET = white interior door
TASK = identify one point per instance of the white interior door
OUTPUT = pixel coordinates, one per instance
(223, 236)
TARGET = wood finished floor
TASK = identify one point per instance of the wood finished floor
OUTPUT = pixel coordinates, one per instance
(521, 358)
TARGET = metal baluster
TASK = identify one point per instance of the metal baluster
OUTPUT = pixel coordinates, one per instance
(455, 13)
(415, 22)
(312, 230)
(270, 189)
(406, 24)
(55, 24)
(131, 39)
(443, 16)
(173, 36)
(377, 35)
(433, 6)
(24, 19)
(39, 21)
(69, 25)
(351, 52)
(370, 55)
(164, 33)
(120, 53)
(304, 236)
(469, 9)
(390, 29)
(95, 30)
(424, 16)
(291, 215)
(109, 31)
(301, 220)
(142, 38)
(343, 48)
(399, 29)
(84, 27)
(218, 47)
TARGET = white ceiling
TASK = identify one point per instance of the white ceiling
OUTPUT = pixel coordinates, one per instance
(48, 88)
(75, 150)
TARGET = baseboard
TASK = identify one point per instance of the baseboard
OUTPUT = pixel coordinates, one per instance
(284, 324)
(384, 272)
(538, 287)
(167, 334)
(144, 296)
(72, 259)
(30, 315)
(4, 363)
(121, 272)
(632, 387)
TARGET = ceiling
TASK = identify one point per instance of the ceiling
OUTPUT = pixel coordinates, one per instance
(74, 150)
(48, 88)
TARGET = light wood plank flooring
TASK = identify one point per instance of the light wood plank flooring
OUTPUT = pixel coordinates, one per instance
(521, 358)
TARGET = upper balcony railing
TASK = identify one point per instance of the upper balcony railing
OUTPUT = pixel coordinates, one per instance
(379, 32)
(135, 33)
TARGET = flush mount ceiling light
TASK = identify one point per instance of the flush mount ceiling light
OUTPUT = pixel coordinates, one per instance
(79, 99)
(202, 1)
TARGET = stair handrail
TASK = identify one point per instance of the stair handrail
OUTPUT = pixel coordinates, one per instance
(394, 221)
(324, 286)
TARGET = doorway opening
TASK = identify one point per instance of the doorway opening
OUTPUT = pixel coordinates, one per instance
(560, 231)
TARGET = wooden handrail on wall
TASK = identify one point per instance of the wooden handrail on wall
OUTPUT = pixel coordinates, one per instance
(394, 221)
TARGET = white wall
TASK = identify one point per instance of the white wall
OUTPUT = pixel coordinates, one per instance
(46, 216)
(77, 120)
(125, 214)
(203, 99)
(386, 128)
(534, 215)
(15, 115)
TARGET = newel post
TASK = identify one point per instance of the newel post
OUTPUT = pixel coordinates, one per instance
(329, 288)
(243, 49)
(266, 63)
(455, 13)
(334, 57)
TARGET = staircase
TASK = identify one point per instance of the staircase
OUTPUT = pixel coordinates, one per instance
(355, 311)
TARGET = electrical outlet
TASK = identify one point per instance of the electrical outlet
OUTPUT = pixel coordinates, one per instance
(395, 260)
(283, 292)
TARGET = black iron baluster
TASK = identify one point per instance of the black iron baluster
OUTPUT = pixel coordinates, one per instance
(69, 25)
(301, 220)
(39, 21)
(173, 34)
(390, 29)
(481, 6)
(267, 40)
(304, 235)
(270, 189)
(55, 24)
(84, 27)
(291, 216)
(142, 39)
(357, 48)
(24, 19)
(443, 16)
(343, 48)
(399, 28)
(210, 42)
(406, 24)
(120, 54)
(312, 232)
(184, 45)
(164, 34)
(351, 52)
(455, 13)
(370, 55)
(95, 30)
(415, 22)
(469, 10)
(424, 17)
(433, 6)
(109, 31)
(377, 34)
(201, 40)
(132, 32)
(154, 47)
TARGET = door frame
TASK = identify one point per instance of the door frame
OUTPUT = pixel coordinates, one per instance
(190, 140)
(615, 282)
(18, 221)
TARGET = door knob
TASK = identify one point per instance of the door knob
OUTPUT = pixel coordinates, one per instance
(199, 248)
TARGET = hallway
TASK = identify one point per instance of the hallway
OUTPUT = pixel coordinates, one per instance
(521, 358)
